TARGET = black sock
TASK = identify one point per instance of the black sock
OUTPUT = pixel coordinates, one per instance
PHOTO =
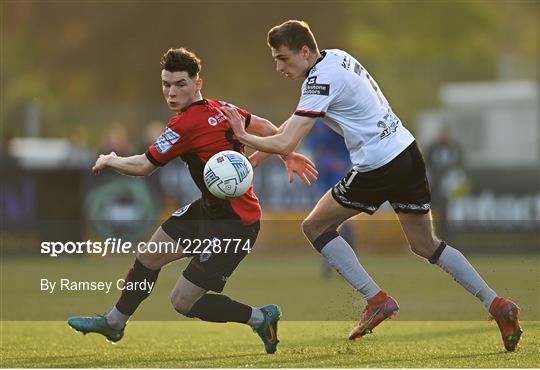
(131, 299)
(220, 308)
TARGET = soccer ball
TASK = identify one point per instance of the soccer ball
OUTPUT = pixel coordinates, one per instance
(228, 174)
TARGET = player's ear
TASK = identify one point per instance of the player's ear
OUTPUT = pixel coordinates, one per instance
(198, 84)
(305, 51)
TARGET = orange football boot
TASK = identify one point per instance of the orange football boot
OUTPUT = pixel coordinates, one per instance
(505, 313)
(378, 309)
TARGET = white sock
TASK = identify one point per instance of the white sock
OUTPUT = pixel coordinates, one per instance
(116, 319)
(257, 317)
(454, 262)
(342, 258)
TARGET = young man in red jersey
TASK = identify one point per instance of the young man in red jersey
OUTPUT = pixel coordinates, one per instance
(197, 132)
(387, 166)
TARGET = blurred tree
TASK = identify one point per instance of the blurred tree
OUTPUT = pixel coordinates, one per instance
(99, 61)
(412, 47)
(95, 62)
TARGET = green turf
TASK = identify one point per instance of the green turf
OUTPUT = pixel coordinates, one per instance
(294, 282)
(419, 338)
(303, 344)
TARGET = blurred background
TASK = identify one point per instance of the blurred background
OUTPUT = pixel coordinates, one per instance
(82, 78)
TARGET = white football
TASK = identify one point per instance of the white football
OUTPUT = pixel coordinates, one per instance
(228, 174)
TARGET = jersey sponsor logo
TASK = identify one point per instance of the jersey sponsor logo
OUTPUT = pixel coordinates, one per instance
(166, 140)
(313, 88)
(214, 120)
(389, 124)
(346, 63)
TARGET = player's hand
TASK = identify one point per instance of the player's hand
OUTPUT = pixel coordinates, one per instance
(102, 162)
(302, 166)
(236, 120)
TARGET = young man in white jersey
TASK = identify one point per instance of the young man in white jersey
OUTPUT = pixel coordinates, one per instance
(387, 166)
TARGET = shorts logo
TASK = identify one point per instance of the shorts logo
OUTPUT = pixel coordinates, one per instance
(205, 256)
(313, 88)
(412, 207)
(340, 192)
(166, 140)
(181, 211)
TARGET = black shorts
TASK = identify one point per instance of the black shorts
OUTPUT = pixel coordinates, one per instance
(216, 246)
(402, 182)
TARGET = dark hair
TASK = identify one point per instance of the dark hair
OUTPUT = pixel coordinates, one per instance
(293, 34)
(179, 60)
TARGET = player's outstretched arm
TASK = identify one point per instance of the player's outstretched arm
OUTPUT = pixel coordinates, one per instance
(302, 166)
(294, 162)
(282, 143)
(136, 165)
(261, 127)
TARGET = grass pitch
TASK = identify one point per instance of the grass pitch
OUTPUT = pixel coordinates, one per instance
(470, 344)
(294, 282)
(34, 332)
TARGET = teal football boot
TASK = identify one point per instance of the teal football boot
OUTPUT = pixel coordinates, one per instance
(268, 329)
(96, 324)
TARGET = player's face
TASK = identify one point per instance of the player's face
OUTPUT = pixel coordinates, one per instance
(179, 90)
(292, 65)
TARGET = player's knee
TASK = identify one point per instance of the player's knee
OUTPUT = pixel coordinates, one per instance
(305, 228)
(153, 261)
(311, 229)
(419, 250)
(181, 303)
(425, 248)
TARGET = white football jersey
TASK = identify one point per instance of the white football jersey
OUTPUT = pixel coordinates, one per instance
(339, 89)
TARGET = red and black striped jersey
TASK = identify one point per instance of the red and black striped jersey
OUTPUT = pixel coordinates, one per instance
(196, 134)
